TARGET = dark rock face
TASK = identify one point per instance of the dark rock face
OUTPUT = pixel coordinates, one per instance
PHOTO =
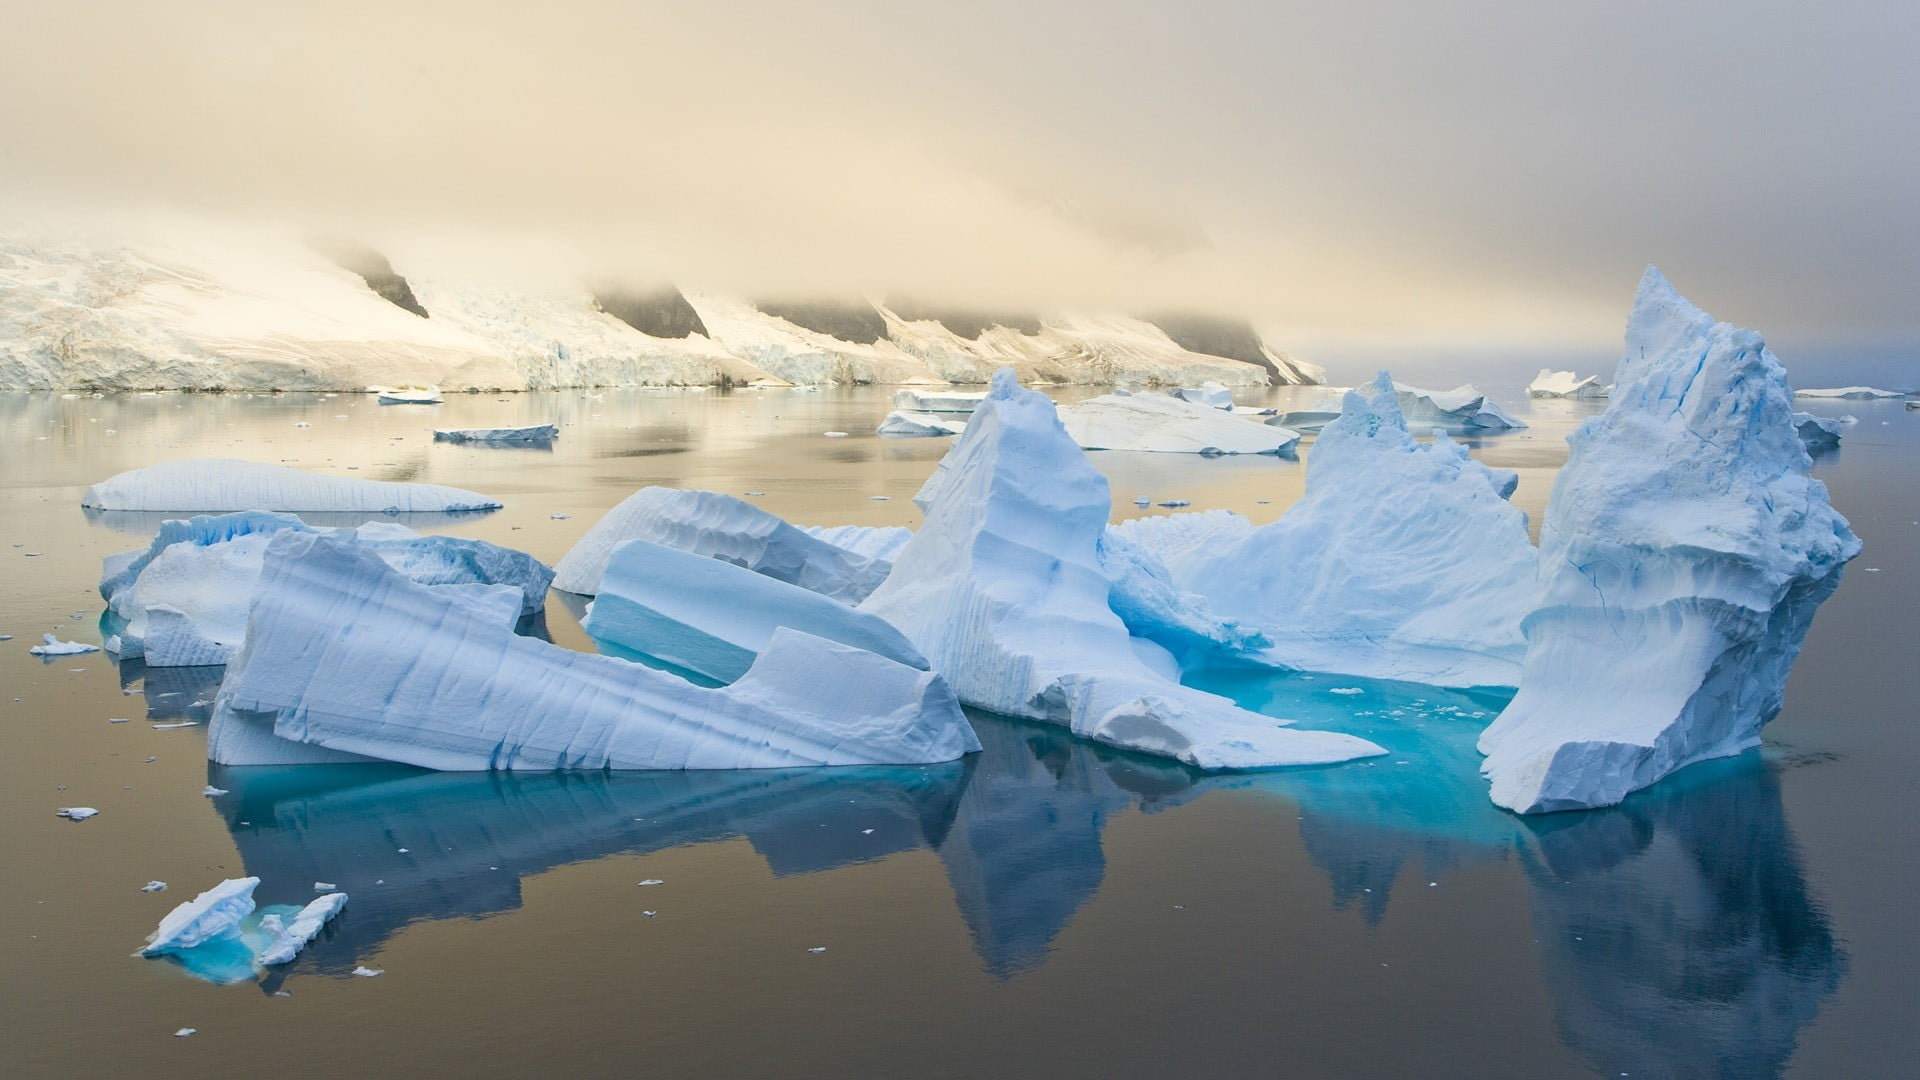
(857, 322)
(1214, 336)
(375, 270)
(968, 324)
(662, 314)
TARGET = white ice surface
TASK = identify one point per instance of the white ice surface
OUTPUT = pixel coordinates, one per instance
(211, 485)
(937, 401)
(1162, 424)
(289, 936)
(345, 653)
(536, 433)
(214, 913)
(871, 541)
(1461, 407)
(720, 527)
(919, 425)
(1212, 395)
(1002, 590)
(53, 646)
(1848, 392)
(1565, 384)
(1683, 554)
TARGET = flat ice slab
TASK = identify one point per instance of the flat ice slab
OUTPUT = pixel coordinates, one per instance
(919, 425)
(536, 433)
(937, 401)
(1848, 392)
(410, 395)
(720, 527)
(53, 646)
(1683, 554)
(1565, 384)
(715, 618)
(1161, 424)
(1003, 591)
(203, 485)
(345, 654)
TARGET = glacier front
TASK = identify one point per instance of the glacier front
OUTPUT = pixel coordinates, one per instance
(1683, 554)
(1003, 591)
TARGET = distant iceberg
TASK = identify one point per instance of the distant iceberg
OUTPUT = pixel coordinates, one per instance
(1169, 425)
(1848, 392)
(1002, 590)
(1565, 384)
(919, 425)
(536, 433)
(1461, 407)
(1212, 395)
(212, 485)
(409, 395)
(289, 935)
(1817, 433)
(720, 527)
(1684, 552)
(714, 618)
(937, 401)
(346, 658)
(1402, 560)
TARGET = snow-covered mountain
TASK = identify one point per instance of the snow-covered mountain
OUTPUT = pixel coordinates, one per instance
(259, 312)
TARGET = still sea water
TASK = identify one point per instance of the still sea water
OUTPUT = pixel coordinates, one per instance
(1044, 908)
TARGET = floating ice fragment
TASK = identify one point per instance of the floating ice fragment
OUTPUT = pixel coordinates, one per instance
(533, 434)
(367, 973)
(76, 813)
(818, 948)
(53, 646)
(117, 720)
(289, 936)
(1349, 690)
(213, 914)
(836, 434)
(651, 881)
(154, 886)
(176, 724)
(324, 886)
(213, 792)
(184, 1032)
(202, 485)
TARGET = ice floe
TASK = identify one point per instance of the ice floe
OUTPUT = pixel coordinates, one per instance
(53, 646)
(535, 433)
(290, 935)
(409, 395)
(1848, 392)
(937, 401)
(210, 485)
(1684, 552)
(1163, 424)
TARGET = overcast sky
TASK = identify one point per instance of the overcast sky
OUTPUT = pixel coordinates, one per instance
(1350, 175)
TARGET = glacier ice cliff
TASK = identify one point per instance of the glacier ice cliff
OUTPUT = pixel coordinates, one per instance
(719, 527)
(213, 485)
(1401, 561)
(345, 657)
(1683, 554)
(1002, 591)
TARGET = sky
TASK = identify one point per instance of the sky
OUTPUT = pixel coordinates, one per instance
(1357, 178)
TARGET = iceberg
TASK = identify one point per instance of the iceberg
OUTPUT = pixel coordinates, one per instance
(937, 401)
(1161, 424)
(1684, 552)
(881, 542)
(347, 655)
(409, 395)
(537, 433)
(1848, 392)
(53, 646)
(200, 485)
(1002, 590)
(1565, 384)
(215, 913)
(1461, 407)
(1817, 433)
(1401, 560)
(1212, 395)
(719, 527)
(1142, 592)
(1175, 539)
(289, 936)
(715, 618)
(183, 601)
(918, 425)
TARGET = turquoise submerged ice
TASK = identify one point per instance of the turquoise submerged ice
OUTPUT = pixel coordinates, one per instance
(347, 657)
(1003, 592)
(1683, 554)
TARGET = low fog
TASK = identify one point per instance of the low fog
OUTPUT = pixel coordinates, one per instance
(1355, 178)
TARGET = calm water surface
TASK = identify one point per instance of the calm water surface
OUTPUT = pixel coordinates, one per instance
(1046, 907)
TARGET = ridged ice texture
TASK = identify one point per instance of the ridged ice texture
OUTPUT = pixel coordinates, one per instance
(1002, 590)
(1158, 423)
(871, 541)
(213, 485)
(343, 652)
(1817, 432)
(920, 425)
(289, 936)
(1401, 561)
(1460, 407)
(183, 601)
(1682, 557)
(213, 914)
(1175, 539)
(719, 527)
(536, 433)
(715, 618)
(1142, 591)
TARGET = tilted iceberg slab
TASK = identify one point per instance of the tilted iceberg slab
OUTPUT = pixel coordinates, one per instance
(1565, 384)
(1683, 554)
(213, 914)
(344, 653)
(203, 485)
(1462, 407)
(290, 935)
(1161, 424)
(1401, 561)
(183, 601)
(1002, 590)
(719, 527)
(715, 618)
(536, 433)
(937, 401)
(1817, 433)
(918, 425)
(1848, 392)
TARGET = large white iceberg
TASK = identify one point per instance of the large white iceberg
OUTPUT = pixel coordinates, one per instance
(715, 618)
(1683, 554)
(1461, 407)
(1163, 424)
(183, 601)
(212, 485)
(1848, 392)
(719, 527)
(1002, 590)
(213, 914)
(346, 654)
(1565, 384)
(1401, 561)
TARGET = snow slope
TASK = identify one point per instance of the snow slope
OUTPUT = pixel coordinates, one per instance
(1683, 554)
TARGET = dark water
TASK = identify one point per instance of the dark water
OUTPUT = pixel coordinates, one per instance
(1046, 907)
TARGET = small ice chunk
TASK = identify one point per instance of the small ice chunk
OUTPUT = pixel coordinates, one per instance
(836, 434)
(154, 886)
(117, 720)
(652, 881)
(55, 647)
(558, 517)
(292, 935)
(212, 792)
(76, 813)
(324, 886)
(184, 1032)
(367, 973)
(818, 948)
(1346, 690)
(213, 914)
(176, 724)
